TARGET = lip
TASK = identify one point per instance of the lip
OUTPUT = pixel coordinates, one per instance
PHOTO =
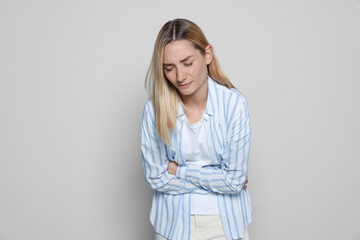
(185, 85)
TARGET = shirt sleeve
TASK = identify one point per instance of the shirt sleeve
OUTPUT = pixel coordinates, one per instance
(155, 161)
(230, 176)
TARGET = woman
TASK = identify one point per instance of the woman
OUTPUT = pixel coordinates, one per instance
(195, 140)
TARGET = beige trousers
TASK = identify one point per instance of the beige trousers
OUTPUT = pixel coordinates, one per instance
(205, 227)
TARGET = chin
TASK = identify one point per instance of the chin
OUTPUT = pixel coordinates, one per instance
(186, 92)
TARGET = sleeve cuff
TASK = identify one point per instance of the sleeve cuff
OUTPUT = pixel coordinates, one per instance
(181, 172)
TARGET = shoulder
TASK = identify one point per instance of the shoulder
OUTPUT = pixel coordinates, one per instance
(239, 99)
(231, 97)
(148, 104)
(148, 113)
(148, 108)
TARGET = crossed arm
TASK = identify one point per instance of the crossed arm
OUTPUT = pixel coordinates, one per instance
(167, 176)
(173, 166)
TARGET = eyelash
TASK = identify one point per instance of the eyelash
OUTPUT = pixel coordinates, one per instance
(186, 64)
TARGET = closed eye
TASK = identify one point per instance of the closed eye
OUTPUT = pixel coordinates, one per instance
(188, 64)
(168, 69)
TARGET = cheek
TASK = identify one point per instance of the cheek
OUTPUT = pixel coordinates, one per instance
(169, 76)
(199, 70)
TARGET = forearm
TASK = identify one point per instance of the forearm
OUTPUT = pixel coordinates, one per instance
(160, 180)
(214, 179)
(230, 176)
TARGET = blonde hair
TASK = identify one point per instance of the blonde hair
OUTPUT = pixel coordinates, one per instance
(163, 95)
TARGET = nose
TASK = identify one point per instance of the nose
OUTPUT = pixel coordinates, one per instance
(180, 75)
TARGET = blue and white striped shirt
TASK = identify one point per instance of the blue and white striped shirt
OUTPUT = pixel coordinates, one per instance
(227, 127)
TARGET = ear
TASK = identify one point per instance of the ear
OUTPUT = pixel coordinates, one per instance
(209, 54)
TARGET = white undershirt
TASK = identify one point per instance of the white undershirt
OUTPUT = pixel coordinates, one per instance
(196, 151)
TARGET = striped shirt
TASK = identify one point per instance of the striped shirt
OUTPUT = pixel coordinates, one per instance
(228, 136)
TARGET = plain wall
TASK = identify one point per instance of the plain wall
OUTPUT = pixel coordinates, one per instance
(72, 94)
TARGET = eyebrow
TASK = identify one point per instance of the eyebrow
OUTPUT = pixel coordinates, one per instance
(184, 60)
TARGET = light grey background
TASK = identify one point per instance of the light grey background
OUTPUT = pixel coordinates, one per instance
(71, 99)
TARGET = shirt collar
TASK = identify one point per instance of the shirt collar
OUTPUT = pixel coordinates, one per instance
(209, 110)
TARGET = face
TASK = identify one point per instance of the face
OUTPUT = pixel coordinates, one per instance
(185, 67)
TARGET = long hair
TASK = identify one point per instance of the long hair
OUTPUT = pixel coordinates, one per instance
(163, 95)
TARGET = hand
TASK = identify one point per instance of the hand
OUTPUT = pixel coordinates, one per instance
(245, 186)
(172, 167)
